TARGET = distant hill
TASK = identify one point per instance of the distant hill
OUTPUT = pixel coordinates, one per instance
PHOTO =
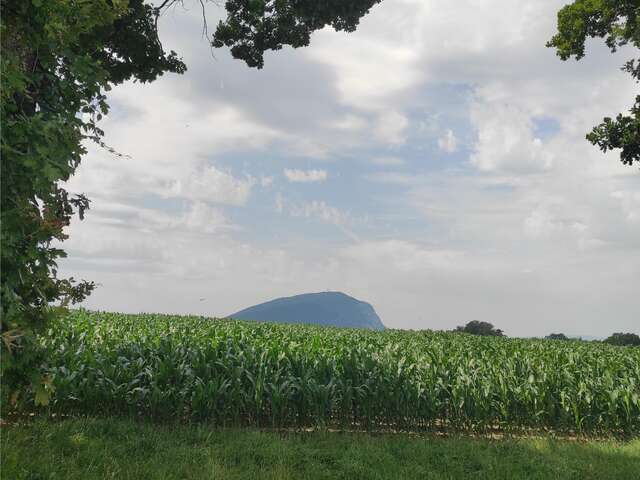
(326, 308)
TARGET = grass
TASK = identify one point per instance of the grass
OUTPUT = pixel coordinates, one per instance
(121, 449)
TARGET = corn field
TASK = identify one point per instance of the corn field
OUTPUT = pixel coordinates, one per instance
(274, 375)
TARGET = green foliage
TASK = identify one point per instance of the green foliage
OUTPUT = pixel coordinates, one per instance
(111, 448)
(254, 26)
(476, 327)
(59, 57)
(280, 375)
(623, 339)
(557, 336)
(617, 22)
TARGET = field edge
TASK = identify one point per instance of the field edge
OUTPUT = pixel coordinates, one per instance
(114, 447)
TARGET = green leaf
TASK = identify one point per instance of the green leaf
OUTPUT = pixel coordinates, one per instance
(42, 396)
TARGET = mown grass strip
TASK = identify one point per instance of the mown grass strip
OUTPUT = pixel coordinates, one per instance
(116, 448)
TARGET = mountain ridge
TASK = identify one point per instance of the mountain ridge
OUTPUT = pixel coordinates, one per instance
(335, 309)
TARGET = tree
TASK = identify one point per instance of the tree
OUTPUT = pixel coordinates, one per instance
(557, 336)
(59, 59)
(254, 26)
(476, 327)
(622, 339)
(617, 22)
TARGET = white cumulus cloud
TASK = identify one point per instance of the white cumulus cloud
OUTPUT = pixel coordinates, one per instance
(305, 176)
(211, 185)
(448, 142)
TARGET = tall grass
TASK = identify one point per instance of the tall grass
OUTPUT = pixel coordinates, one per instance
(242, 373)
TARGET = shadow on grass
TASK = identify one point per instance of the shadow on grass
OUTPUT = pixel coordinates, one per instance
(116, 448)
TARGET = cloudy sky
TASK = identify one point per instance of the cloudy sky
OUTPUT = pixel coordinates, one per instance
(433, 163)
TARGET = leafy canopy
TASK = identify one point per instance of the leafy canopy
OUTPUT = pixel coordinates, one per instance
(59, 58)
(616, 21)
(255, 26)
(557, 336)
(622, 339)
(476, 327)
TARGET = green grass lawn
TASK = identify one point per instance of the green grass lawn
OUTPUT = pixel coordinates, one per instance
(122, 449)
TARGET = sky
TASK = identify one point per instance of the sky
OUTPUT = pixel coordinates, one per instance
(432, 163)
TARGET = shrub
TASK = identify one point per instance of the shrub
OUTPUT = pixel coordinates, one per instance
(557, 336)
(623, 339)
(476, 327)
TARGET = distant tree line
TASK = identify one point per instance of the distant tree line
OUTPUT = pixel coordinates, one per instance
(619, 339)
(623, 339)
(557, 336)
(486, 329)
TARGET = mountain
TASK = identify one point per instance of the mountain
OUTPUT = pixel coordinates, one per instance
(325, 308)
